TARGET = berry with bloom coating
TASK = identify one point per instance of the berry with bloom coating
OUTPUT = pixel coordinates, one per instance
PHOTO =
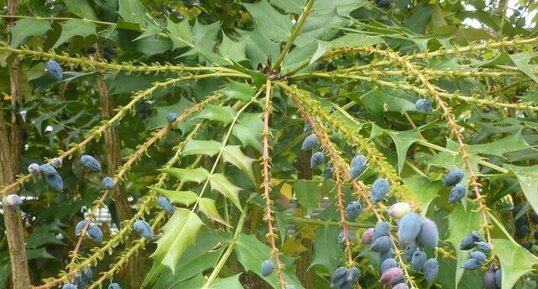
(91, 163)
(483, 246)
(54, 68)
(56, 162)
(328, 173)
(78, 228)
(55, 182)
(469, 240)
(489, 280)
(267, 268)
(387, 264)
(479, 256)
(164, 202)
(472, 264)
(381, 244)
(418, 259)
(307, 126)
(143, 229)
(317, 159)
(353, 274)
(400, 286)
(399, 210)
(428, 235)
(430, 269)
(380, 189)
(424, 105)
(409, 228)
(357, 166)
(95, 233)
(453, 177)
(353, 210)
(13, 202)
(171, 117)
(367, 236)
(108, 183)
(409, 250)
(47, 169)
(386, 255)
(69, 286)
(499, 277)
(114, 286)
(309, 142)
(338, 277)
(381, 229)
(34, 169)
(457, 193)
(391, 276)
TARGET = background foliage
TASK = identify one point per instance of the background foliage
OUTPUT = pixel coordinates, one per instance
(244, 77)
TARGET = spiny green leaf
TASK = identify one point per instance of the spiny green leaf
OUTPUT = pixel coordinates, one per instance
(515, 261)
(238, 90)
(177, 197)
(81, 8)
(180, 33)
(233, 50)
(224, 114)
(236, 157)
(222, 185)
(326, 248)
(178, 234)
(424, 189)
(25, 28)
(197, 175)
(207, 206)
(348, 40)
(201, 147)
(75, 27)
(522, 62)
(249, 130)
(528, 180)
(132, 11)
(276, 26)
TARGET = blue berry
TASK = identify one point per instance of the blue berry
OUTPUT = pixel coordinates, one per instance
(317, 159)
(91, 163)
(143, 229)
(341, 237)
(307, 126)
(428, 235)
(114, 286)
(56, 162)
(522, 231)
(55, 182)
(472, 264)
(95, 233)
(13, 202)
(78, 228)
(430, 269)
(353, 274)
(338, 277)
(409, 250)
(453, 177)
(54, 68)
(479, 256)
(418, 259)
(381, 244)
(47, 169)
(483, 246)
(357, 166)
(108, 183)
(381, 229)
(424, 105)
(386, 255)
(469, 240)
(267, 268)
(387, 264)
(309, 142)
(164, 202)
(353, 210)
(383, 3)
(328, 173)
(69, 286)
(499, 277)
(457, 193)
(409, 228)
(34, 169)
(380, 188)
(171, 117)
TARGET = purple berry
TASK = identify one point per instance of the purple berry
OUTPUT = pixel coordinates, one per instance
(489, 280)
(108, 183)
(143, 229)
(409, 228)
(400, 286)
(91, 163)
(47, 169)
(428, 235)
(267, 268)
(357, 166)
(453, 177)
(430, 269)
(391, 276)
(381, 229)
(34, 169)
(381, 244)
(54, 68)
(367, 236)
(380, 189)
(56, 162)
(309, 142)
(317, 159)
(457, 193)
(387, 264)
(12, 202)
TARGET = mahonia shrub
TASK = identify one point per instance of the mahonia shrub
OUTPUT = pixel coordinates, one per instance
(269, 144)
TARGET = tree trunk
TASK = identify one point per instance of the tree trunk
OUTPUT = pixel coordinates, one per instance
(10, 156)
(135, 265)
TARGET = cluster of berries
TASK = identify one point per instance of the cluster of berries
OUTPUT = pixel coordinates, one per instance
(478, 257)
